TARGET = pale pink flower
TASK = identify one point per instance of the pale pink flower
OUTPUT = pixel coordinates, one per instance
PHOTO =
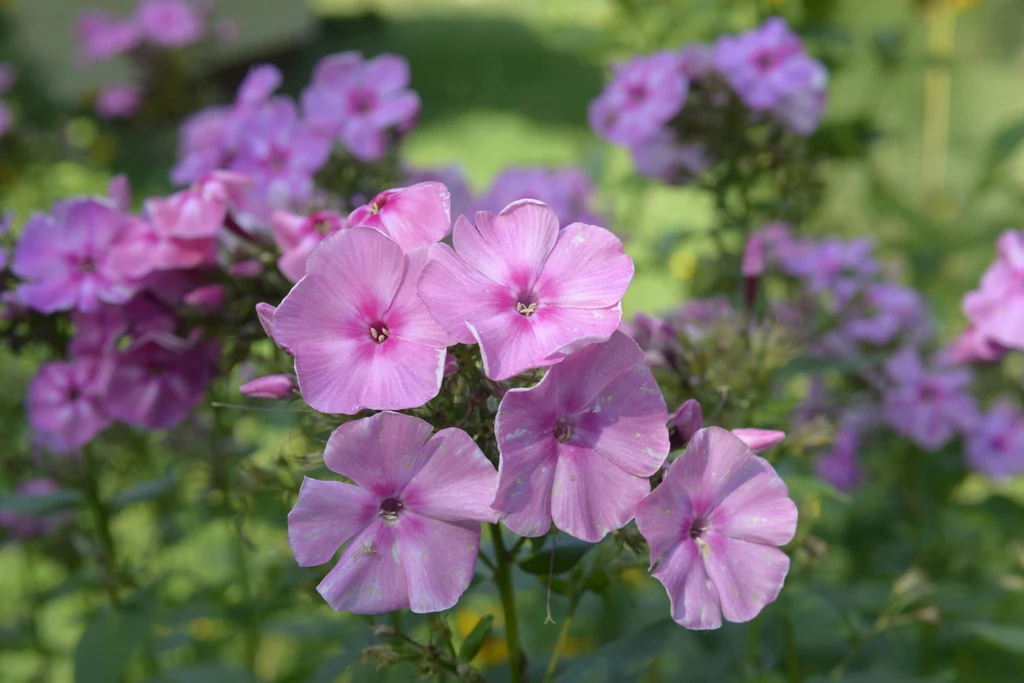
(360, 335)
(119, 101)
(995, 442)
(927, 406)
(528, 292)
(996, 309)
(644, 94)
(414, 216)
(297, 235)
(759, 440)
(65, 402)
(102, 35)
(578, 447)
(270, 386)
(411, 519)
(171, 23)
(714, 526)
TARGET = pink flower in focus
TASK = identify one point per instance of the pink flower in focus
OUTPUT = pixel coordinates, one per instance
(453, 178)
(65, 402)
(359, 101)
(526, 291)
(360, 335)
(714, 526)
(579, 446)
(270, 387)
(171, 23)
(411, 520)
(414, 216)
(995, 443)
(996, 309)
(24, 526)
(841, 467)
(119, 101)
(68, 258)
(644, 94)
(102, 35)
(928, 408)
(296, 236)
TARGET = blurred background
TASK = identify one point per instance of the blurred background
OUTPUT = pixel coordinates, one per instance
(924, 126)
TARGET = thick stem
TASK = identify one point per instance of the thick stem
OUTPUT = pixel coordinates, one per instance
(503, 576)
(563, 636)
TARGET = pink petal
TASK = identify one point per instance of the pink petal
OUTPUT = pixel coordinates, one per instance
(327, 514)
(747, 576)
(616, 357)
(664, 518)
(694, 597)
(381, 453)
(399, 111)
(369, 578)
(587, 268)
(453, 293)
(510, 247)
(318, 310)
(715, 464)
(417, 216)
(365, 267)
(759, 440)
(408, 317)
(366, 142)
(457, 483)
(438, 559)
(759, 510)
(387, 72)
(592, 496)
(525, 479)
(39, 252)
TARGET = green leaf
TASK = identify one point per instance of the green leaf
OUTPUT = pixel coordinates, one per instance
(145, 490)
(207, 672)
(802, 486)
(568, 553)
(621, 660)
(109, 642)
(475, 640)
(1009, 637)
(35, 505)
(1002, 147)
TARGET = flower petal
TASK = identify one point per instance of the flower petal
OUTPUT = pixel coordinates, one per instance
(509, 247)
(664, 518)
(587, 268)
(694, 598)
(364, 266)
(525, 479)
(381, 453)
(759, 510)
(438, 560)
(715, 464)
(327, 514)
(416, 216)
(453, 293)
(457, 483)
(369, 578)
(747, 576)
(408, 317)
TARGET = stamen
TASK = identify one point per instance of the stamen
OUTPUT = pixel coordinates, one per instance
(379, 335)
(390, 508)
(698, 528)
(562, 430)
(524, 310)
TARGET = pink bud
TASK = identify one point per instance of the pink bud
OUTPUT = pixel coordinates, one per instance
(207, 297)
(753, 257)
(271, 387)
(759, 440)
(451, 365)
(120, 192)
(250, 268)
(688, 419)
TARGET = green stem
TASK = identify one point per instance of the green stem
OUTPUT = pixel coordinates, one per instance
(503, 576)
(108, 559)
(563, 635)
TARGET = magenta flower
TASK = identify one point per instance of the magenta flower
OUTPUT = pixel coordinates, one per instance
(578, 447)
(360, 101)
(160, 378)
(22, 526)
(411, 519)
(996, 309)
(644, 94)
(713, 526)
(297, 235)
(102, 35)
(171, 23)
(414, 216)
(841, 467)
(525, 290)
(568, 191)
(65, 402)
(995, 442)
(270, 387)
(119, 101)
(360, 335)
(928, 408)
(68, 258)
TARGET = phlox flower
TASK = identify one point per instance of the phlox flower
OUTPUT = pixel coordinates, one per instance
(360, 335)
(995, 442)
(297, 235)
(643, 95)
(765, 65)
(996, 309)
(269, 387)
(414, 216)
(65, 402)
(667, 159)
(973, 347)
(525, 290)
(928, 408)
(714, 526)
(568, 191)
(102, 35)
(410, 521)
(119, 101)
(801, 110)
(841, 467)
(577, 448)
(171, 23)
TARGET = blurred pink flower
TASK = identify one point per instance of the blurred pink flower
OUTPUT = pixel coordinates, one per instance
(297, 235)
(65, 402)
(995, 442)
(841, 467)
(927, 407)
(644, 94)
(568, 191)
(764, 65)
(24, 526)
(171, 23)
(996, 309)
(102, 35)
(270, 387)
(665, 158)
(119, 101)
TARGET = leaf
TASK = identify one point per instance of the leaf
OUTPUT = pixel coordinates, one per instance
(568, 553)
(621, 660)
(330, 670)
(207, 672)
(109, 642)
(1009, 637)
(145, 490)
(35, 505)
(1002, 147)
(802, 486)
(475, 640)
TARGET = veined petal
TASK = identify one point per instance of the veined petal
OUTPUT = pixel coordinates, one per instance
(525, 479)
(381, 453)
(694, 598)
(369, 577)
(453, 293)
(510, 247)
(438, 559)
(587, 268)
(747, 576)
(327, 514)
(457, 483)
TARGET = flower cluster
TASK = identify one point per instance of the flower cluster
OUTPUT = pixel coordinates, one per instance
(668, 107)
(7, 78)
(370, 325)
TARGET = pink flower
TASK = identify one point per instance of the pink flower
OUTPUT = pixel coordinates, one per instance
(159, 379)
(645, 93)
(568, 191)
(248, 268)
(753, 256)
(360, 335)
(172, 23)
(713, 526)
(996, 309)
(65, 402)
(68, 258)
(995, 443)
(973, 347)
(119, 101)
(23, 526)
(414, 216)
(359, 101)
(801, 110)
(927, 407)
(525, 290)
(270, 386)
(206, 297)
(411, 519)
(687, 420)
(841, 467)
(102, 36)
(578, 447)
(759, 440)
(119, 191)
(884, 312)
(201, 144)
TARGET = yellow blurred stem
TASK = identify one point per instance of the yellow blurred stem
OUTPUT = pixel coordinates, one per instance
(940, 23)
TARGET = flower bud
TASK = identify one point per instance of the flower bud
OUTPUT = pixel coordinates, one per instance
(759, 440)
(270, 386)
(207, 297)
(451, 365)
(250, 268)
(687, 419)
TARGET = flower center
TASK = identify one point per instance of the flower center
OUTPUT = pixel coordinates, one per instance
(562, 429)
(526, 304)
(87, 265)
(379, 332)
(390, 508)
(928, 392)
(363, 100)
(698, 527)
